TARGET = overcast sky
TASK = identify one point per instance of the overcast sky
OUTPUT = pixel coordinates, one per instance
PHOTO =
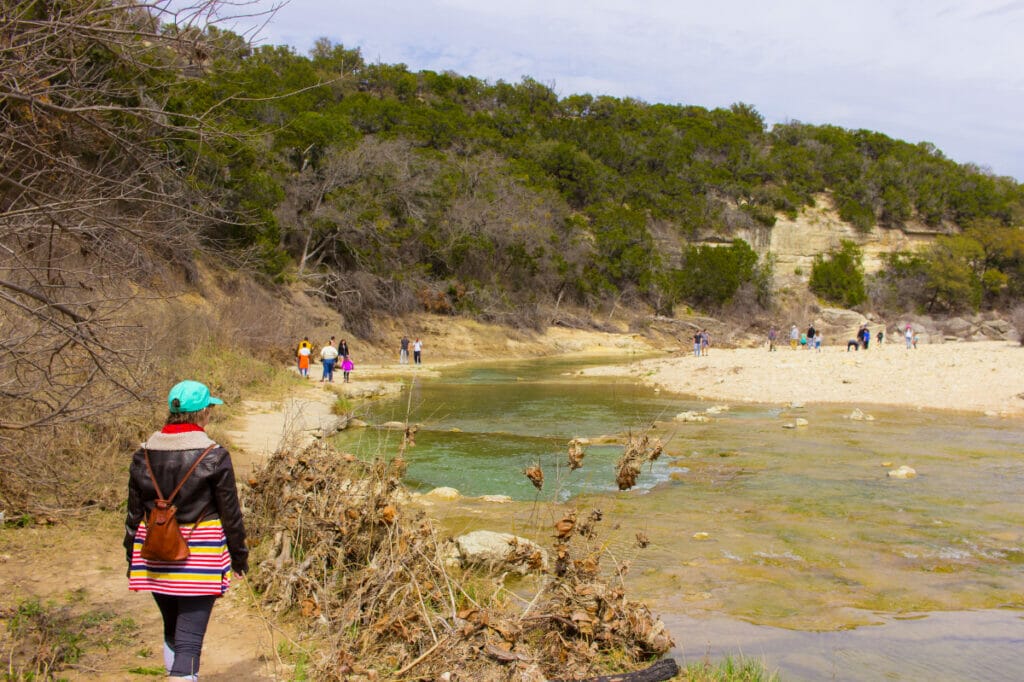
(950, 73)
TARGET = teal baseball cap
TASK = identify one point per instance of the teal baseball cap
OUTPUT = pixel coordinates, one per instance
(192, 396)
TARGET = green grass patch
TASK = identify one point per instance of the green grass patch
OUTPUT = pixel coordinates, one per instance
(341, 406)
(731, 669)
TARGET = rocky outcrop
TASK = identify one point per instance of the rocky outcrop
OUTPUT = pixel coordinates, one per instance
(818, 229)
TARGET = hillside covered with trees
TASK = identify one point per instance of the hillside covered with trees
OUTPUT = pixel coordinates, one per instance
(393, 190)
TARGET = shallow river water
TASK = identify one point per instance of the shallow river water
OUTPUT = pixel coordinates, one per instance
(791, 545)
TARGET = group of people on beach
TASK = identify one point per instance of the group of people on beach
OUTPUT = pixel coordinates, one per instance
(330, 354)
(813, 338)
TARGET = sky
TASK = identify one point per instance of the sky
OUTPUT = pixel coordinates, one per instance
(949, 73)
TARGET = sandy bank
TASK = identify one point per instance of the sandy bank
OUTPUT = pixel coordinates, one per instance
(985, 376)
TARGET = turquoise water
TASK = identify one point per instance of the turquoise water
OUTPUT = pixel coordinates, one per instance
(481, 426)
(777, 543)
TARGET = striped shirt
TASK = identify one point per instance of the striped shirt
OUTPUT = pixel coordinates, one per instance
(207, 570)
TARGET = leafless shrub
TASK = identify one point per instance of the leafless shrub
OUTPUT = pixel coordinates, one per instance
(93, 201)
(338, 547)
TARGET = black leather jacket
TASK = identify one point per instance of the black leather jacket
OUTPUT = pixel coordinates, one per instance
(211, 488)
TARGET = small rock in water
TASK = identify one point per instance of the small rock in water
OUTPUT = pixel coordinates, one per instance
(887, 464)
(444, 493)
(691, 416)
(902, 472)
(701, 535)
(717, 409)
(800, 421)
(789, 425)
(796, 405)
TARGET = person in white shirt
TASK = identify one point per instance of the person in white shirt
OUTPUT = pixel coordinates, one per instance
(417, 352)
(328, 356)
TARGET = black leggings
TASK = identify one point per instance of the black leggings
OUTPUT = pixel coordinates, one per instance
(185, 621)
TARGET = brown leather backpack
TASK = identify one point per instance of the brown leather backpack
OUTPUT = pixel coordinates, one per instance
(164, 541)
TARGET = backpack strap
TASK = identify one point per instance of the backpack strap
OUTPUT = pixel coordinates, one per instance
(192, 469)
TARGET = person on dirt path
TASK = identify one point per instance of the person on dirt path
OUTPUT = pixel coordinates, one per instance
(347, 366)
(303, 345)
(403, 350)
(210, 516)
(328, 356)
(417, 352)
(304, 353)
(343, 349)
(772, 334)
(794, 337)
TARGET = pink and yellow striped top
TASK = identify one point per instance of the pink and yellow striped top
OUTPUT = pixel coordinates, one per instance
(207, 570)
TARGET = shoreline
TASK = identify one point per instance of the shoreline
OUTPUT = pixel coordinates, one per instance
(984, 377)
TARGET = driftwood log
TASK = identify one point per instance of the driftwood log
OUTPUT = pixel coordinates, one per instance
(665, 669)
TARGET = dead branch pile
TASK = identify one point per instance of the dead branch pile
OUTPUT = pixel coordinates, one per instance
(337, 544)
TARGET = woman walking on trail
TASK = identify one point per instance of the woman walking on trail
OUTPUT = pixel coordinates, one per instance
(417, 352)
(328, 356)
(196, 474)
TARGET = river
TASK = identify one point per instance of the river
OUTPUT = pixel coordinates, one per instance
(788, 545)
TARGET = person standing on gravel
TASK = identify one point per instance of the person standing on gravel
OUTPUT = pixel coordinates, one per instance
(196, 473)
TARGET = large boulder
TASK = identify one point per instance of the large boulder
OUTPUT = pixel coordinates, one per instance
(839, 321)
(958, 327)
(997, 329)
(498, 551)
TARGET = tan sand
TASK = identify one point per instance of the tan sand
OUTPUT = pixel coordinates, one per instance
(985, 376)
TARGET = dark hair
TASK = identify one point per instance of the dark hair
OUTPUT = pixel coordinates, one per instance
(185, 417)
